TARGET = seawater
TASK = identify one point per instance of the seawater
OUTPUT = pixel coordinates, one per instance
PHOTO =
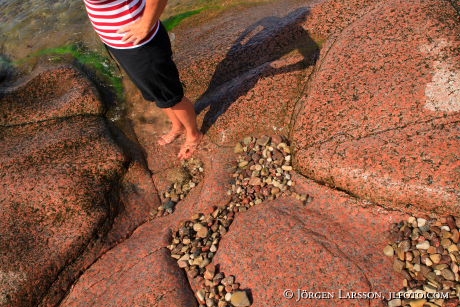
(29, 26)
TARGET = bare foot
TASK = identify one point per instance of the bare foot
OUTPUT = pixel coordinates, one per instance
(189, 147)
(170, 137)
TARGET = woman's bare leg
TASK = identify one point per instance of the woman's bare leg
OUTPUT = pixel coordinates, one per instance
(177, 129)
(183, 119)
(185, 113)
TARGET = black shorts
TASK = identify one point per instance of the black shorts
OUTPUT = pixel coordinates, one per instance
(152, 70)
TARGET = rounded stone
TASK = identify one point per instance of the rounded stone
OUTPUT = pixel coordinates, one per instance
(423, 245)
(448, 274)
(421, 222)
(436, 258)
(452, 248)
(240, 299)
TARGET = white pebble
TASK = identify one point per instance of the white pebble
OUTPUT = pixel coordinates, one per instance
(423, 245)
(428, 262)
(421, 222)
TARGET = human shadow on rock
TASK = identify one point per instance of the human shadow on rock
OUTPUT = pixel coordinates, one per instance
(250, 58)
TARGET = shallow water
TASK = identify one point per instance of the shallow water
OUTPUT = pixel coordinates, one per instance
(28, 26)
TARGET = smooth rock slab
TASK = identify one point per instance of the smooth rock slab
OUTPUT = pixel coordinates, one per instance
(380, 119)
(332, 244)
(416, 165)
(137, 272)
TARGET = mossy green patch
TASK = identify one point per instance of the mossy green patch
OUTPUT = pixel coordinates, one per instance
(181, 10)
(171, 22)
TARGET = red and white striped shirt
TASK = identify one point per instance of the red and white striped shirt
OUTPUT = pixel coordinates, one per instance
(108, 16)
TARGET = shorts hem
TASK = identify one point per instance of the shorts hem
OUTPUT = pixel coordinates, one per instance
(170, 103)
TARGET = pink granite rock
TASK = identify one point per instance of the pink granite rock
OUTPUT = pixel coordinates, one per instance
(49, 94)
(145, 254)
(324, 252)
(380, 118)
(137, 272)
(331, 17)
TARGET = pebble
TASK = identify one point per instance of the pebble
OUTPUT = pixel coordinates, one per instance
(210, 302)
(210, 272)
(286, 168)
(238, 148)
(200, 295)
(203, 232)
(398, 265)
(435, 258)
(388, 251)
(228, 281)
(452, 248)
(243, 164)
(417, 303)
(240, 299)
(423, 245)
(421, 222)
(455, 236)
(448, 274)
(263, 141)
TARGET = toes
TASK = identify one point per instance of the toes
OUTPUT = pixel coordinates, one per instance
(189, 148)
(169, 138)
